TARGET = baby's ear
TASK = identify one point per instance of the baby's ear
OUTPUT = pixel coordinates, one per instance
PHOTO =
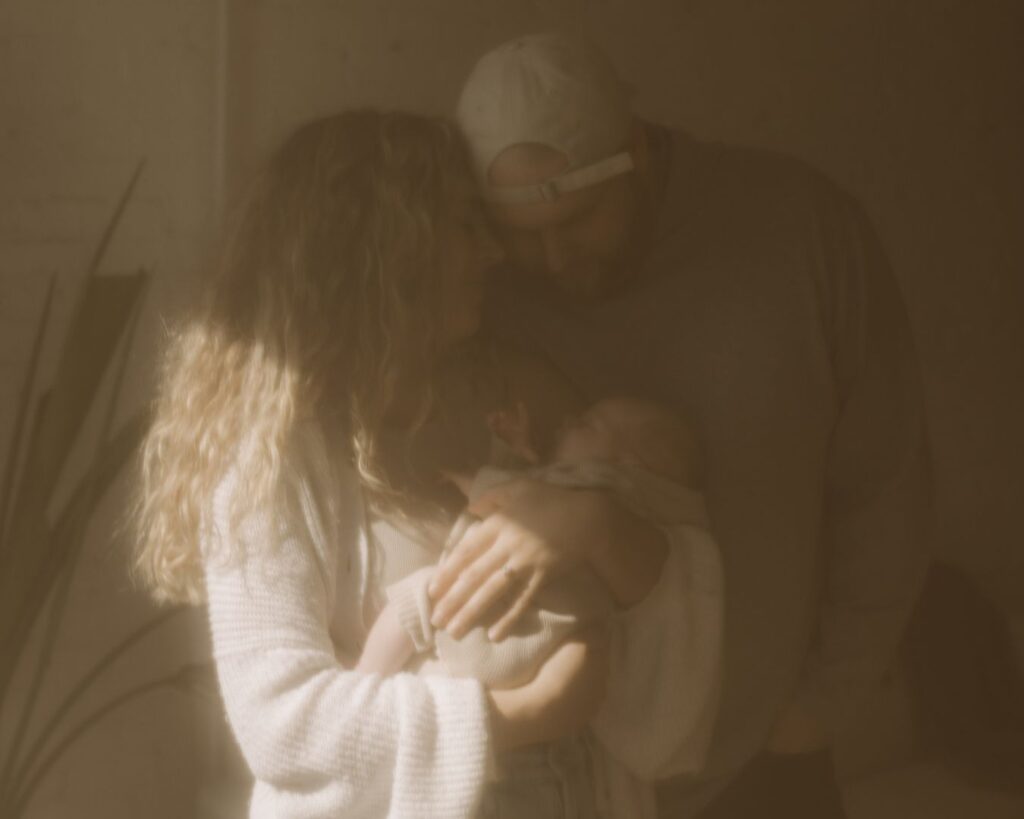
(462, 480)
(500, 422)
(511, 427)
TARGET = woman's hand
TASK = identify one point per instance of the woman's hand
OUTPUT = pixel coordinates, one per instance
(530, 532)
(533, 531)
(560, 700)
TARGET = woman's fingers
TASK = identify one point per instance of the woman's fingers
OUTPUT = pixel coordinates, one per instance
(475, 542)
(486, 570)
(524, 596)
(496, 586)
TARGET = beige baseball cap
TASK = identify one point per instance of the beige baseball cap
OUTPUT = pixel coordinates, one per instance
(554, 90)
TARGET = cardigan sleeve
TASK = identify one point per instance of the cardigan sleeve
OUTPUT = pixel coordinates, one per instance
(323, 740)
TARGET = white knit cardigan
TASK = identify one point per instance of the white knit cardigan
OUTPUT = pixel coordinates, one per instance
(288, 620)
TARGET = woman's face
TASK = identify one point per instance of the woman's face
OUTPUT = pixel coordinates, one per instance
(468, 249)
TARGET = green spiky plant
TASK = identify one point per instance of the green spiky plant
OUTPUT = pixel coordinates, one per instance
(40, 547)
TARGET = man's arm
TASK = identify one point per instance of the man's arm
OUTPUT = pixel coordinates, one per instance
(877, 516)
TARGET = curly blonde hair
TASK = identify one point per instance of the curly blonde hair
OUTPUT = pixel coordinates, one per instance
(324, 300)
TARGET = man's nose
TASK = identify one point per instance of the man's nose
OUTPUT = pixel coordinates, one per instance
(555, 251)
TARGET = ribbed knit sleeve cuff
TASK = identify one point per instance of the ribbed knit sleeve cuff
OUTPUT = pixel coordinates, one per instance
(412, 605)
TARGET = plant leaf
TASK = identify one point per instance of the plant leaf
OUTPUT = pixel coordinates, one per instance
(106, 308)
(23, 591)
(9, 781)
(24, 403)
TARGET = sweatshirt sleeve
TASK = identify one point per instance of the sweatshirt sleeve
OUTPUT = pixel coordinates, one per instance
(320, 739)
(665, 664)
(878, 485)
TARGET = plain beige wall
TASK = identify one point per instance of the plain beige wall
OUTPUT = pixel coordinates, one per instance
(915, 106)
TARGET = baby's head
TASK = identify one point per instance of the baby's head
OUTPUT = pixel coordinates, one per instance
(634, 432)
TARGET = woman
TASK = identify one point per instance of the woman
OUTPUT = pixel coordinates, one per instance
(356, 264)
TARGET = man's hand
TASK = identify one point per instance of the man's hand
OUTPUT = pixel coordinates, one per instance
(797, 732)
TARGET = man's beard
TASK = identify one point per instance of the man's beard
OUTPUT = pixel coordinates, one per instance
(604, 278)
(598, 279)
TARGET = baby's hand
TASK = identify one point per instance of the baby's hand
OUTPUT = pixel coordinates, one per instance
(513, 427)
(388, 646)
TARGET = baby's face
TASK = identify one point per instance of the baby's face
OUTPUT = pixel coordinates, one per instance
(592, 435)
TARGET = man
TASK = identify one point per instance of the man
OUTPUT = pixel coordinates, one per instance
(750, 294)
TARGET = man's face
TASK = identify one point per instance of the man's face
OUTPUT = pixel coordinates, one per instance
(581, 242)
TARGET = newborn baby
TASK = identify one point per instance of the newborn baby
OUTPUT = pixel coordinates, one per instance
(643, 453)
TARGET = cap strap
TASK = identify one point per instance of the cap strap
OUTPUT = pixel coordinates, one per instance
(551, 189)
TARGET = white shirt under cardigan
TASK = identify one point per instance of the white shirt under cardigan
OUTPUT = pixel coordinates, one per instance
(288, 621)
